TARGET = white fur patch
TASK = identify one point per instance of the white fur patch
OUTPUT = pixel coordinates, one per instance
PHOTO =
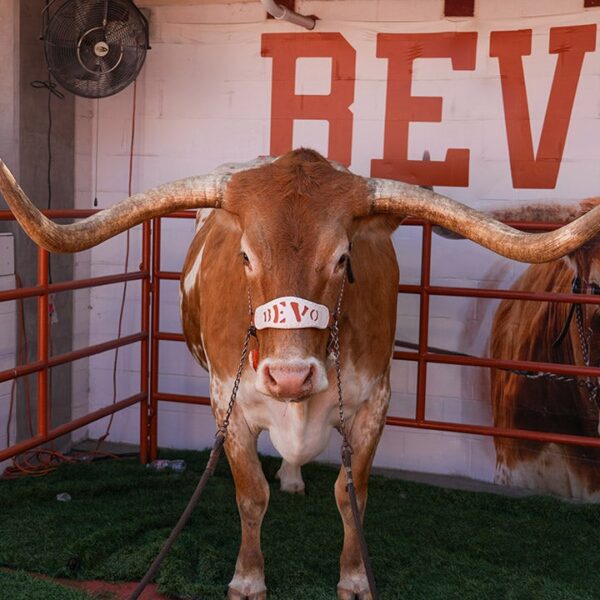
(190, 278)
(291, 478)
(548, 471)
(300, 431)
(248, 583)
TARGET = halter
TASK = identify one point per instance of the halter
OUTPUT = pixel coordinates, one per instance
(584, 340)
(576, 306)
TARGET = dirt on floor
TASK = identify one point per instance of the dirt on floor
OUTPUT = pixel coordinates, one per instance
(103, 590)
(112, 591)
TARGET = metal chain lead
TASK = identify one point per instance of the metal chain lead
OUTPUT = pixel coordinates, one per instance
(224, 426)
(588, 383)
(585, 350)
(208, 472)
(347, 451)
(334, 345)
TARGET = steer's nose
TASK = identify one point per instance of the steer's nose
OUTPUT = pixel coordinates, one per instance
(292, 380)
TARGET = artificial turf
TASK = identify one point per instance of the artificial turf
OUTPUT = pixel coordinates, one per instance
(425, 542)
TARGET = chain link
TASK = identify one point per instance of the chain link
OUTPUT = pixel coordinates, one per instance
(225, 425)
(588, 383)
(334, 347)
(347, 451)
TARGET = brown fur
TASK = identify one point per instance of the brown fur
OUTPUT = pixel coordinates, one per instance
(526, 330)
(295, 215)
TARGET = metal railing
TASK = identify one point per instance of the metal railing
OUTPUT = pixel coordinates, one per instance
(423, 356)
(45, 362)
(151, 335)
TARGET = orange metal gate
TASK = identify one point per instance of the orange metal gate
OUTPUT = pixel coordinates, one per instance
(150, 336)
(45, 362)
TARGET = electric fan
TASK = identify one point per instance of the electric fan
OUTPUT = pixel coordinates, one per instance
(96, 48)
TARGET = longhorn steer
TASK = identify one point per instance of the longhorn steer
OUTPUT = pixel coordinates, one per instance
(287, 228)
(532, 331)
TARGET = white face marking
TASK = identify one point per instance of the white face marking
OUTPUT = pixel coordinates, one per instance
(190, 278)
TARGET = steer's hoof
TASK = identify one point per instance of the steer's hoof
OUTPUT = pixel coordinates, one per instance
(233, 594)
(293, 488)
(290, 477)
(344, 594)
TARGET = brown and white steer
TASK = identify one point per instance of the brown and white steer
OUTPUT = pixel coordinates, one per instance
(529, 331)
(286, 228)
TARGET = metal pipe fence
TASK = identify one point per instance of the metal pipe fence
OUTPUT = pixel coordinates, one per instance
(40, 367)
(150, 275)
(423, 356)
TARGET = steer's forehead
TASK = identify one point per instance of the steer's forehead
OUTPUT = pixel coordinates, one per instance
(293, 193)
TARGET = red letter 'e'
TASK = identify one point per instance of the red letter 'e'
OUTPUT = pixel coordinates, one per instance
(401, 108)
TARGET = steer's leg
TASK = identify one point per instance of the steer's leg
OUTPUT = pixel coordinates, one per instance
(364, 433)
(252, 494)
(290, 477)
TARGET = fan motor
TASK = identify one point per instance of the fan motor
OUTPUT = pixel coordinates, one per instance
(96, 48)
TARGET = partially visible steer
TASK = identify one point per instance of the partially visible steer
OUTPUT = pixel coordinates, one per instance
(278, 250)
(548, 332)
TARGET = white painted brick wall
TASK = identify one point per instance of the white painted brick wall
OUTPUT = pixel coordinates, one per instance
(204, 98)
(8, 341)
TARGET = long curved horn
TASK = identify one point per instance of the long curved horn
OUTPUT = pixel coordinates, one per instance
(193, 192)
(403, 199)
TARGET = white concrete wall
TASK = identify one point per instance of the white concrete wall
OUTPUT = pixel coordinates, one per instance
(204, 98)
(9, 132)
(9, 83)
(8, 342)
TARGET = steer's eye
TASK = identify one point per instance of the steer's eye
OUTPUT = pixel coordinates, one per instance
(342, 261)
(595, 288)
(245, 259)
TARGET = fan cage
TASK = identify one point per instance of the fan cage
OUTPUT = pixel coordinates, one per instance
(73, 42)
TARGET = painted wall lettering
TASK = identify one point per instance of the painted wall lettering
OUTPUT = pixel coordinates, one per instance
(529, 168)
(571, 44)
(401, 50)
(286, 106)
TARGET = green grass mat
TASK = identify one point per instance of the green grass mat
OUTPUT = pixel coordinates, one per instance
(425, 542)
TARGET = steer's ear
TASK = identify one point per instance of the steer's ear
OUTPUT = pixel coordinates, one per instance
(382, 224)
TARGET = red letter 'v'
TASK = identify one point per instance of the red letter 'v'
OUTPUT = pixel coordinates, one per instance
(570, 43)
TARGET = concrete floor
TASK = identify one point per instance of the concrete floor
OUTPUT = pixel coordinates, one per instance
(453, 482)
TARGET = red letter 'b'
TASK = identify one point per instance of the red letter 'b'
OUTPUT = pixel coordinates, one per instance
(286, 106)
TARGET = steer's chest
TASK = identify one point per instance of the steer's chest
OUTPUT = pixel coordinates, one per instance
(299, 430)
